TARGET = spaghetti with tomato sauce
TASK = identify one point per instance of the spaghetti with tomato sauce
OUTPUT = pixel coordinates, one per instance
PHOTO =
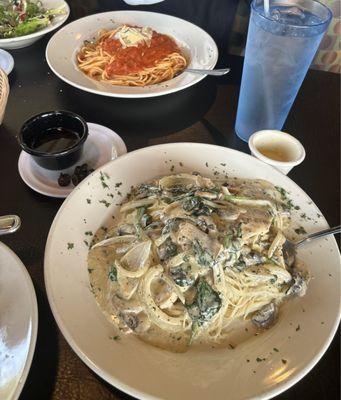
(131, 56)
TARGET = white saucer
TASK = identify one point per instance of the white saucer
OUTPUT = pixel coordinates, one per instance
(101, 146)
(6, 61)
(18, 324)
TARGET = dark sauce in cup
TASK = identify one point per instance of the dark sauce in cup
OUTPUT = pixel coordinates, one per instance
(54, 140)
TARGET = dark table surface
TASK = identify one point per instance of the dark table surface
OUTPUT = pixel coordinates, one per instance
(204, 113)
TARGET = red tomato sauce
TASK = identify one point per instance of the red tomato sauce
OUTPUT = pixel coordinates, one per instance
(134, 59)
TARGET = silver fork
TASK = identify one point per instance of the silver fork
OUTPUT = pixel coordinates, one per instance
(214, 72)
(289, 247)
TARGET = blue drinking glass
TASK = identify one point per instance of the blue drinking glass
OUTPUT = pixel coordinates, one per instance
(280, 47)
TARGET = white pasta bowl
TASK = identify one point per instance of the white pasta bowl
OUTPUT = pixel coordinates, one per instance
(26, 40)
(259, 368)
(196, 44)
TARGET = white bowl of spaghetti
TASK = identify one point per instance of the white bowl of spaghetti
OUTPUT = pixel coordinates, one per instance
(130, 53)
(248, 366)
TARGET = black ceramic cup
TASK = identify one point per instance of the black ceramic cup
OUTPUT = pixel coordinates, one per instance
(57, 121)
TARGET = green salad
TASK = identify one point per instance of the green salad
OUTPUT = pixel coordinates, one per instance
(22, 17)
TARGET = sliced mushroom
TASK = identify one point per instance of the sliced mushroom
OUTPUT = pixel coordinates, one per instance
(206, 224)
(229, 212)
(298, 285)
(266, 316)
(252, 258)
(167, 249)
(138, 323)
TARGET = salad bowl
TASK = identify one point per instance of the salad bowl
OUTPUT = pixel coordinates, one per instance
(25, 40)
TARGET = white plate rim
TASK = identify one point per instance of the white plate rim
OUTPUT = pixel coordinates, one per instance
(196, 80)
(41, 32)
(33, 300)
(47, 192)
(282, 387)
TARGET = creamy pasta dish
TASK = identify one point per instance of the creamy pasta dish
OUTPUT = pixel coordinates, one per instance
(188, 256)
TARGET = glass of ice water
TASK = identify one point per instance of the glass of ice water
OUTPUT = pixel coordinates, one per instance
(281, 45)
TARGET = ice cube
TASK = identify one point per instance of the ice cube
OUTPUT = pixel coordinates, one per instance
(291, 15)
(294, 11)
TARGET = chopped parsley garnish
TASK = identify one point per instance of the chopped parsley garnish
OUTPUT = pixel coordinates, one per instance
(70, 246)
(300, 231)
(115, 337)
(112, 275)
(276, 350)
(90, 270)
(88, 233)
(102, 178)
(289, 205)
(284, 361)
(88, 201)
(104, 202)
(298, 328)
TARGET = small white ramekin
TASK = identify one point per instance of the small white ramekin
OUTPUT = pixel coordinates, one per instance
(287, 143)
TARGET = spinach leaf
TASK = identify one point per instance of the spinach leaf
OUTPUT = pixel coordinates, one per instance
(202, 256)
(171, 225)
(143, 219)
(146, 190)
(196, 206)
(181, 275)
(206, 304)
(177, 190)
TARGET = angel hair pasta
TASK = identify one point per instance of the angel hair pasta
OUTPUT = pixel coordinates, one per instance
(189, 256)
